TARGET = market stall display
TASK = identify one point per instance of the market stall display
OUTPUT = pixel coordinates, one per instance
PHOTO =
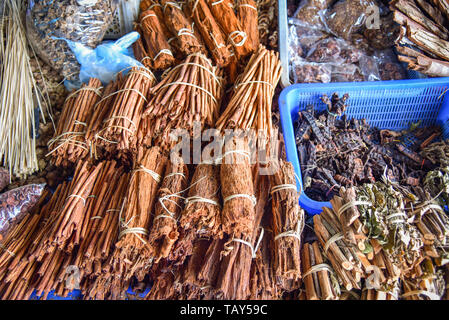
(156, 185)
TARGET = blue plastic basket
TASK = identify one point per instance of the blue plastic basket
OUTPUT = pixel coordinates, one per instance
(384, 104)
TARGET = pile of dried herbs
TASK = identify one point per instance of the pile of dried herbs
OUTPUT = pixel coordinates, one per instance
(335, 152)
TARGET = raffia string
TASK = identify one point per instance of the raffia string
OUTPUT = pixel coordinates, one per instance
(252, 81)
(336, 237)
(194, 199)
(153, 174)
(233, 35)
(281, 187)
(290, 233)
(247, 5)
(251, 197)
(253, 249)
(176, 195)
(431, 295)
(77, 196)
(351, 204)
(97, 91)
(166, 51)
(12, 254)
(192, 85)
(324, 267)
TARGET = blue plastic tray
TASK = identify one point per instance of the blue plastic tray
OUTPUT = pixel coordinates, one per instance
(384, 104)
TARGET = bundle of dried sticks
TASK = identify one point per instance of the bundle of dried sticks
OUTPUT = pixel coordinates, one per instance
(68, 145)
(288, 224)
(250, 104)
(157, 50)
(131, 256)
(424, 39)
(164, 231)
(120, 126)
(201, 217)
(188, 39)
(190, 92)
(212, 34)
(319, 278)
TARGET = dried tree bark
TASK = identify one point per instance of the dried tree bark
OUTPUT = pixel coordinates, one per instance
(288, 224)
(164, 231)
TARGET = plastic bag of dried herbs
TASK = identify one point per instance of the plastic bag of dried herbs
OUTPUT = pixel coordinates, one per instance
(347, 17)
(15, 203)
(311, 72)
(50, 22)
(309, 12)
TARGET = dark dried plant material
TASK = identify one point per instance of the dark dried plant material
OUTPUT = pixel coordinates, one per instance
(4, 178)
(164, 231)
(347, 17)
(157, 47)
(131, 256)
(49, 23)
(312, 73)
(187, 35)
(385, 36)
(336, 152)
(309, 11)
(68, 144)
(119, 132)
(248, 16)
(391, 71)
(16, 203)
(288, 224)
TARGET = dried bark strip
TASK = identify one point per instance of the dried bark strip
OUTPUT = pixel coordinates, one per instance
(164, 231)
(288, 224)
(157, 46)
(69, 145)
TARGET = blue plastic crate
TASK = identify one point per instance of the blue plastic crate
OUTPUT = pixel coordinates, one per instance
(384, 104)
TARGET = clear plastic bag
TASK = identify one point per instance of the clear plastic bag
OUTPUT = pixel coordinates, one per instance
(389, 66)
(106, 60)
(385, 36)
(14, 204)
(369, 68)
(81, 21)
(311, 72)
(308, 12)
(302, 38)
(346, 73)
(326, 50)
(346, 17)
